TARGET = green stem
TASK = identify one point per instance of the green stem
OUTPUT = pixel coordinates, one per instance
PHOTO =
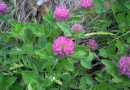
(56, 61)
(112, 8)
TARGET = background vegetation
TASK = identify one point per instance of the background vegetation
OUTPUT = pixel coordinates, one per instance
(27, 61)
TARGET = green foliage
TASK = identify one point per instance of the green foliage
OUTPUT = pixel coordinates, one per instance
(86, 62)
(6, 82)
(65, 28)
(28, 63)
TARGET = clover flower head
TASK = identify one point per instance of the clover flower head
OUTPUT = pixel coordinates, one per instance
(87, 4)
(61, 13)
(63, 46)
(76, 28)
(3, 8)
(92, 44)
(124, 66)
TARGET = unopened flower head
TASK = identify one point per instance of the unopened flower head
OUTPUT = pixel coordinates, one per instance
(63, 46)
(106, 4)
(76, 28)
(92, 44)
(3, 8)
(87, 4)
(61, 13)
(124, 66)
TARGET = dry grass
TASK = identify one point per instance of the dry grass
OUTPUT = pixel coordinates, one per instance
(25, 10)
